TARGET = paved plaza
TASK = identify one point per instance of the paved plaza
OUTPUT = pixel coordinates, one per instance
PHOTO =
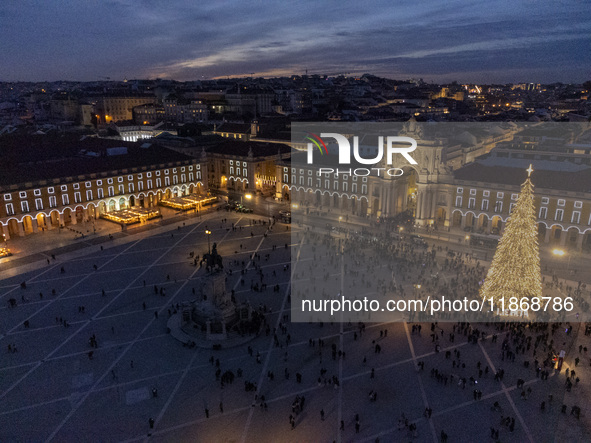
(52, 389)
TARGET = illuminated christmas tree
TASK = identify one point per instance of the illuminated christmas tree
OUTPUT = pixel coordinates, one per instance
(515, 269)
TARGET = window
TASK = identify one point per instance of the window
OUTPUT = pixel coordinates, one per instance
(99, 182)
(309, 172)
(578, 205)
(52, 201)
(310, 181)
(88, 195)
(120, 179)
(37, 192)
(336, 186)
(183, 169)
(364, 179)
(38, 204)
(77, 197)
(460, 190)
(148, 174)
(166, 172)
(157, 173)
(472, 191)
(158, 182)
(65, 199)
(232, 162)
(22, 194)
(561, 202)
(576, 217)
(130, 177)
(354, 188)
(458, 201)
(285, 178)
(244, 172)
(140, 186)
(484, 206)
(50, 190)
(364, 189)
(87, 184)
(471, 202)
(499, 206)
(174, 170)
(326, 184)
(111, 191)
(559, 215)
(130, 186)
(545, 200)
(25, 206)
(7, 197)
(149, 184)
(76, 185)
(175, 179)
(100, 193)
(183, 178)
(166, 181)
(513, 196)
(110, 181)
(511, 206)
(543, 213)
(231, 170)
(237, 171)
(486, 193)
(301, 180)
(121, 189)
(191, 168)
(500, 194)
(9, 209)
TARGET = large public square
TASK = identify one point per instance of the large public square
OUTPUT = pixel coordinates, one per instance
(52, 389)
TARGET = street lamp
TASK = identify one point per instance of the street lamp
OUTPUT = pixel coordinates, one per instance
(208, 232)
(561, 253)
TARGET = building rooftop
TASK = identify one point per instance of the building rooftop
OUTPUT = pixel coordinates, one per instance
(33, 158)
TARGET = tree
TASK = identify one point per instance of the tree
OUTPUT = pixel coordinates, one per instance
(515, 269)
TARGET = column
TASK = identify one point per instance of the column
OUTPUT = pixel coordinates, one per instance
(463, 221)
(21, 229)
(5, 232)
(433, 205)
(547, 236)
(73, 218)
(34, 225)
(580, 238)
(62, 222)
(563, 235)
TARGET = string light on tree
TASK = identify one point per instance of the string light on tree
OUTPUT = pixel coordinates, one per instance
(515, 269)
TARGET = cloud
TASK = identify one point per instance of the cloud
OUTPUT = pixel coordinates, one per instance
(185, 40)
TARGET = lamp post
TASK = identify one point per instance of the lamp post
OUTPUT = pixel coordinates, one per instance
(208, 232)
(561, 253)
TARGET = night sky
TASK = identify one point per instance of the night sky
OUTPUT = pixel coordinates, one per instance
(501, 41)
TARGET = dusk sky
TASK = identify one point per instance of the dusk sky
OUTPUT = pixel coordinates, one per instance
(470, 41)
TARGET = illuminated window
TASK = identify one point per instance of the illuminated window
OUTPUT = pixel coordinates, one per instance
(559, 215)
(576, 217)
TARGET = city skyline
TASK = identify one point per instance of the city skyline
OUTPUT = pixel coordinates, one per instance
(538, 42)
